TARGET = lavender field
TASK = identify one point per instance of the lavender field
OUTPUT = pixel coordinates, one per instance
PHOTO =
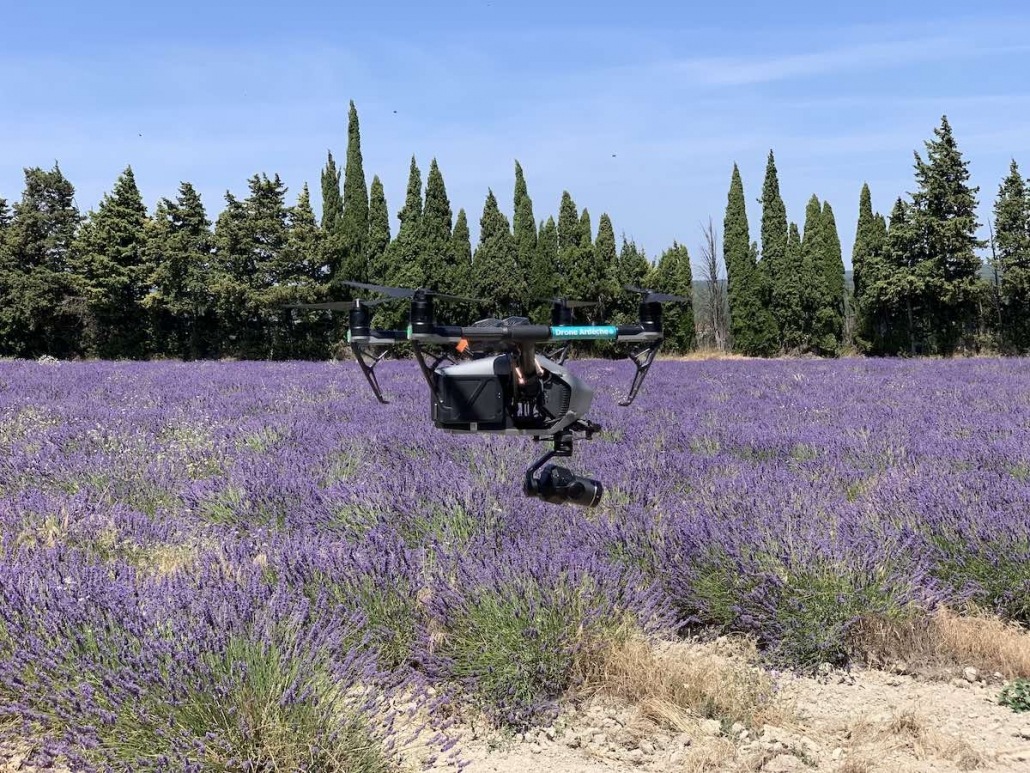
(255, 566)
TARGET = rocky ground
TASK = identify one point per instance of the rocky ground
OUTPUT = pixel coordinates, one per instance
(852, 722)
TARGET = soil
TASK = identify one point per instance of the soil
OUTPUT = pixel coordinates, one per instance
(853, 722)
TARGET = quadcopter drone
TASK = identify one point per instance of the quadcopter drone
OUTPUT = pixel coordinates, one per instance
(491, 377)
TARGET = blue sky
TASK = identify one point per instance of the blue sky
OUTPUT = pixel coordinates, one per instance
(638, 109)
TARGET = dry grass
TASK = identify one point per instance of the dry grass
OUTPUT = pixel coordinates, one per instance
(947, 640)
(908, 731)
(677, 684)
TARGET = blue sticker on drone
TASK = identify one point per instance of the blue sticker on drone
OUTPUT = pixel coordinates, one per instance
(585, 331)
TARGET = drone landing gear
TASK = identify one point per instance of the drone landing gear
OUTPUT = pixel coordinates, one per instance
(368, 362)
(559, 485)
(642, 360)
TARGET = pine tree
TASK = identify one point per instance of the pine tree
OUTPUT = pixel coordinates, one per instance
(461, 249)
(302, 279)
(178, 257)
(1012, 242)
(436, 259)
(111, 274)
(378, 233)
(944, 218)
(495, 263)
(752, 325)
(774, 250)
(353, 227)
(250, 250)
(37, 297)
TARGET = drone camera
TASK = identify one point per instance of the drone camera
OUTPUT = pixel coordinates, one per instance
(559, 485)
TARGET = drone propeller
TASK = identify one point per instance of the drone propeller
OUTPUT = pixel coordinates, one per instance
(650, 296)
(404, 292)
(334, 305)
(573, 304)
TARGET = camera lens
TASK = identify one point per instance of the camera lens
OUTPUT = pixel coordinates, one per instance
(559, 485)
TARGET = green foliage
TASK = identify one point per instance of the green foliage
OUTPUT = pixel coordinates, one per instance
(495, 272)
(866, 257)
(180, 304)
(524, 226)
(944, 223)
(378, 232)
(437, 261)
(783, 284)
(461, 249)
(353, 223)
(828, 319)
(403, 264)
(541, 278)
(1016, 695)
(673, 274)
(752, 325)
(516, 648)
(39, 312)
(250, 259)
(110, 272)
(244, 714)
(1012, 240)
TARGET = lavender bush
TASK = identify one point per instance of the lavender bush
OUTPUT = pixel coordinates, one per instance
(180, 540)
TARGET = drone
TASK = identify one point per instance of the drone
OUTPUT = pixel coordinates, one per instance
(506, 376)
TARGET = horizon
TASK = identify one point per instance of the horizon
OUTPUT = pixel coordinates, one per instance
(597, 100)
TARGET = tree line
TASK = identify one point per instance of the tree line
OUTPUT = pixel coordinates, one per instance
(123, 282)
(918, 286)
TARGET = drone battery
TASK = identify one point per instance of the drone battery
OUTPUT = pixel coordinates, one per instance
(465, 400)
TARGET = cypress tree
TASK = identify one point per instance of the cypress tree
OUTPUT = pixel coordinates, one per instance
(332, 200)
(751, 323)
(378, 232)
(542, 280)
(110, 272)
(403, 255)
(774, 250)
(828, 330)
(790, 297)
(178, 256)
(437, 262)
(36, 290)
(1012, 240)
(494, 266)
(353, 227)
(461, 249)
(811, 268)
(606, 260)
(634, 269)
(569, 235)
(944, 218)
(524, 225)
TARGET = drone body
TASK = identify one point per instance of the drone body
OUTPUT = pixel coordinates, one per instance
(496, 381)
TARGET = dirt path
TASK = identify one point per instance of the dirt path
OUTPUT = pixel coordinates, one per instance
(853, 723)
